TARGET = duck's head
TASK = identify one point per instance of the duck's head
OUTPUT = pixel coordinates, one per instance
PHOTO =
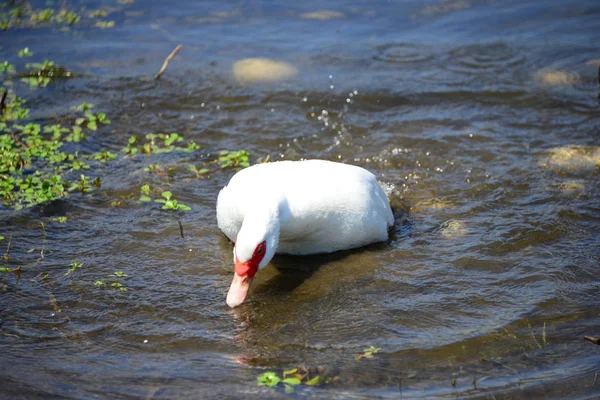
(255, 246)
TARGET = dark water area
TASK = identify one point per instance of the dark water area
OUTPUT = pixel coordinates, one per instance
(484, 117)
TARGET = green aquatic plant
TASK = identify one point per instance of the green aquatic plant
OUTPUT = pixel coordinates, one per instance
(368, 353)
(60, 220)
(105, 24)
(104, 156)
(171, 204)
(74, 266)
(41, 74)
(156, 143)
(199, 172)
(67, 17)
(145, 193)
(6, 67)
(268, 379)
(234, 159)
(130, 148)
(290, 378)
(25, 52)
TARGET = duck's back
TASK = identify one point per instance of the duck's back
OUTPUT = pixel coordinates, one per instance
(330, 206)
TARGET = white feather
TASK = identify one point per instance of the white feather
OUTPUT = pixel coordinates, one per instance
(320, 207)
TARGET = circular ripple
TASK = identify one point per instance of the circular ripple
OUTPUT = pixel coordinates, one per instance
(484, 57)
(403, 53)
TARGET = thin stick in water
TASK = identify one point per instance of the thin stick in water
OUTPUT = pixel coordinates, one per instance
(3, 101)
(181, 230)
(167, 61)
(592, 339)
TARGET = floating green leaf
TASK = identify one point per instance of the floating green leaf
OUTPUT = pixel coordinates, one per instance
(268, 379)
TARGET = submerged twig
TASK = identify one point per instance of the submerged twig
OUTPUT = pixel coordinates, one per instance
(7, 254)
(181, 230)
(592, 339)
(43, 241)
(167, 61)
(3, 100)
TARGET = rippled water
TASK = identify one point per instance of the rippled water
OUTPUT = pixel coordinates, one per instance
(482, 114)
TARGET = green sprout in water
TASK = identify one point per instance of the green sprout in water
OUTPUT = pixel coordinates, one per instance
(6, 67)
(268, 379)
(368, 353)
(290, 378)
(104, 156)
(119, 274)
(74, 266)
(60, 220)
(25, 52)
(105, 24)
(234, 159)
(199, 172)
(145, 193)
(171, 204)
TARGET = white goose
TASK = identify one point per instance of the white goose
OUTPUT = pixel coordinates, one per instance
(298, 207)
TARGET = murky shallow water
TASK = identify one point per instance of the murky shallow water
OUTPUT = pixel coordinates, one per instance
(484, 115)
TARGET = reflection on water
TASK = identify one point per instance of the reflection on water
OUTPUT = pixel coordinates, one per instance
(482, 115)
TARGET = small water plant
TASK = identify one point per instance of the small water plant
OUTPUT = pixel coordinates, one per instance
(157, 143)
(74, 266)
(234, 159)
(171, 204)
(368, 353)
(115, 282)
(294, 377)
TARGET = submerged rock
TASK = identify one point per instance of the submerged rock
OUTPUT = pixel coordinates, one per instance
(322, 15)
(557, 78)
(573, 158)
(256, 70)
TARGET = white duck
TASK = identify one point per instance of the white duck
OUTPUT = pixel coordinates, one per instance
(298, 207)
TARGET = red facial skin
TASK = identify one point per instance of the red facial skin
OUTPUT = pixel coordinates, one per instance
(250, 267)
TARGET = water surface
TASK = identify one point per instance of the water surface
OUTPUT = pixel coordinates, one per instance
(482, 114)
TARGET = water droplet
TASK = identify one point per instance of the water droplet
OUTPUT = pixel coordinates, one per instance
(355, 91)
(348, 100)
(305, 99)
(331, 86)
(218, 107)
(330, 76)
(272, 110)
(470, 135)
(202, 105)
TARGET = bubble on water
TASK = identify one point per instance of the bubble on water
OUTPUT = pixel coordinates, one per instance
(202, 105)
(304, 99)
(272, 110)
(348, 100)
(355, 92)
(470, 135)
(145, 340)
(331, 86)
(330, 76)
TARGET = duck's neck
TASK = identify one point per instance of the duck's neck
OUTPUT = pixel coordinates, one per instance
(261, 222)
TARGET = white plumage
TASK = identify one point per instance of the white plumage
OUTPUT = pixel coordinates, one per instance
(324, 206)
